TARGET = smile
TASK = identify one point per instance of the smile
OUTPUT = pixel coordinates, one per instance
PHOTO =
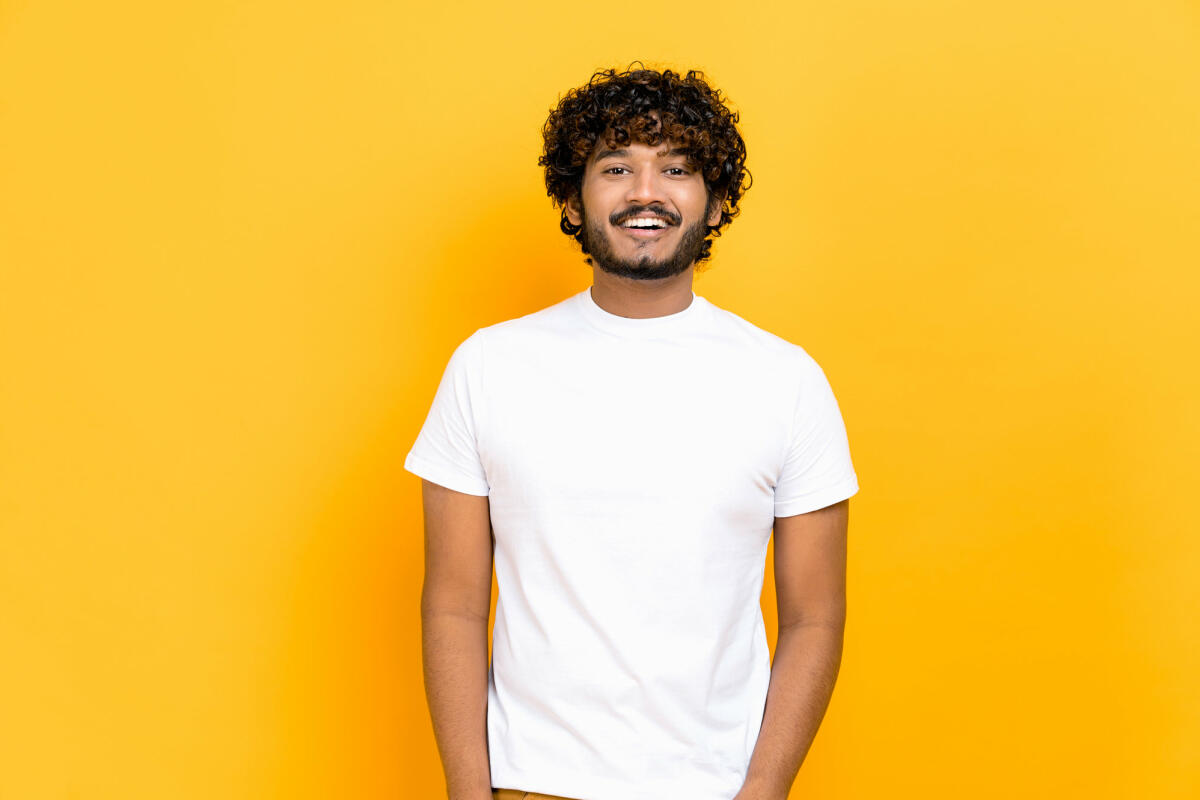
(645, 233)
(645, 228)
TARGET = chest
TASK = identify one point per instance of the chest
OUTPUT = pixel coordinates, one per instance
(655, 427)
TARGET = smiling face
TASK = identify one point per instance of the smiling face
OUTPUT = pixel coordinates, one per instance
(644, 209)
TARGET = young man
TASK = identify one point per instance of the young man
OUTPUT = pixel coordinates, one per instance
(624, 454)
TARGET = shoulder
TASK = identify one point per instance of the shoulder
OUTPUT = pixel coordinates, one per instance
(547, 320)
(784, 353)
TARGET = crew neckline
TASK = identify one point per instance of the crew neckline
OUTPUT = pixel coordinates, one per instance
(639, 326)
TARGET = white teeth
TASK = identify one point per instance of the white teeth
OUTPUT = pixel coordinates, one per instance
(644, 223)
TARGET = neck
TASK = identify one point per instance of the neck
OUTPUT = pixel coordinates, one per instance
(627, 297)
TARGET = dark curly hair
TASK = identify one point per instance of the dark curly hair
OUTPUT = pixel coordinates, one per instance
(690, 113)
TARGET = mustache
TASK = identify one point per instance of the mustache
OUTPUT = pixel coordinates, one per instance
(617, 219)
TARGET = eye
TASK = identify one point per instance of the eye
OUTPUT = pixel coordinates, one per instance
(679, 170)
(610, 169)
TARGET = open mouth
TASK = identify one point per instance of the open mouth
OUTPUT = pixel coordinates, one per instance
(645, 227)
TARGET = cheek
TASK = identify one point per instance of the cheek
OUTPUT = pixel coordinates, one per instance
(601, 201)
(698, 201)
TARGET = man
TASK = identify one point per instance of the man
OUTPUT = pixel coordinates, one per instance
(624, 454)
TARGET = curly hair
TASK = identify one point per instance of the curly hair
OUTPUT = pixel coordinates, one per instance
(618, 106)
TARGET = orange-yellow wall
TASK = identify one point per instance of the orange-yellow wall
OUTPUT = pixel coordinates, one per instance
(240, 240)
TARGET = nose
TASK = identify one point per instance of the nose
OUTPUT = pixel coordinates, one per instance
(645, 188)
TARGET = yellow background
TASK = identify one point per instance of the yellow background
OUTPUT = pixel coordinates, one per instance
(240, 240)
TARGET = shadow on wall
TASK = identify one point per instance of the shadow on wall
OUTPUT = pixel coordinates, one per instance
(350, 690)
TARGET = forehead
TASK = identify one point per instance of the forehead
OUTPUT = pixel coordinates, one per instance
(665, 149)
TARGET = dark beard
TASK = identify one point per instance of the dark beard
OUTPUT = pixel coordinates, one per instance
(643, 268)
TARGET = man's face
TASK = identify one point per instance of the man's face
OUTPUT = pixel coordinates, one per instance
(650, 184)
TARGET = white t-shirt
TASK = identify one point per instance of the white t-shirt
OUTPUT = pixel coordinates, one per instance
(634, 468)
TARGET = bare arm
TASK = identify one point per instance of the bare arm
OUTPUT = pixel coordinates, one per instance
(455, 601)
(810, 582)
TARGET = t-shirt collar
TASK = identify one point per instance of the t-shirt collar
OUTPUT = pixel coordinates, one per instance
(633, 327)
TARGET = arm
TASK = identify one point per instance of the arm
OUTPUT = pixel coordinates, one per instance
(455, 601)
(810, 582)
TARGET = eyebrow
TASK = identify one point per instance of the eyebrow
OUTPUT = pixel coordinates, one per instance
(603, 154)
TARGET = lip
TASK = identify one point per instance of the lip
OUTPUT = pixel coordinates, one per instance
(644, 233)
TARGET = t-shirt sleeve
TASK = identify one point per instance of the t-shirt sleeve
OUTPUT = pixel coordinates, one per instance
(446, 449)
(817, 471)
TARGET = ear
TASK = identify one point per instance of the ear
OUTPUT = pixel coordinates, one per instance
(714, 213)
(573, 209)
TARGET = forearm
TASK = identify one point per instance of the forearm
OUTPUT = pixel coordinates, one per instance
(455, 658)
(807, 658)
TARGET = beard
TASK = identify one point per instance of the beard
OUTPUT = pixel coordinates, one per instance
(644, 267)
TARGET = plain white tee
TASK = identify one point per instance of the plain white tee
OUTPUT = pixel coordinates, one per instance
(634, 468)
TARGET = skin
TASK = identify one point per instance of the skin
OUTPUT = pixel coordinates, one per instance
(810, 586)
(631, 276)
(636, 278)
(455, 603)
(810, 581)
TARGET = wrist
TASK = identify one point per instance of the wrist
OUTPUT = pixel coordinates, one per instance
(478, 794)
(756, 788)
